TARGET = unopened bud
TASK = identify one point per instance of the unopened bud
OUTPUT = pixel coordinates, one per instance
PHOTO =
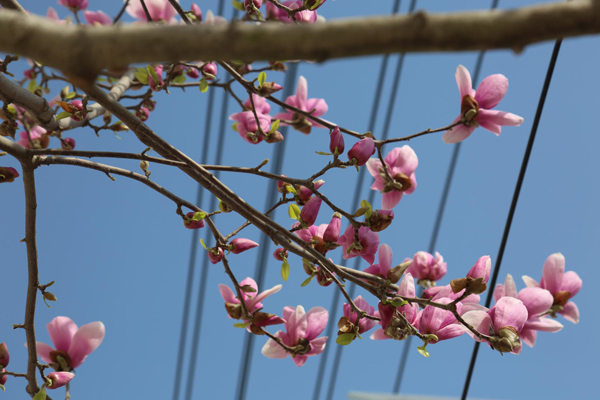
(224, 207)
(280, 254)
(59, 379)
(234, 310)
(332, 233)
(241, 245)
(8, 174)
(49, 296)
(274, 137)
(268, 88)
(396, 273)
(67, 144)
(4, 355)
(380, 220)
(215, 255)
(336, 141)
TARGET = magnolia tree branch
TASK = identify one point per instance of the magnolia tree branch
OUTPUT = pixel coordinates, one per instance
(83, 52)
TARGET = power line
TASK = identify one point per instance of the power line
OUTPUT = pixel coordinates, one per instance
(261, 261)
(438, 219)
(515, 199)
(336, 294)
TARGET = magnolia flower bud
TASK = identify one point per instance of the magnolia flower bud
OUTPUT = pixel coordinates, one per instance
(305, 193)
(4, 355)
(241, 245)
(509, 339)
(332, 233)
(336, 141)
(192, 73)
(380, 220)
(78, 112)
(3, 378)
(280, 253)
(268, 88)
(8, 174)
(361, 151)
(481, 269)
(197, 12)
(310, 211)
(190, 223)
(68, 143)
(209, 71)
(59, 379)
(249, 5)
(143, 113)
(215, 255)
(313, 4)
(274, 137)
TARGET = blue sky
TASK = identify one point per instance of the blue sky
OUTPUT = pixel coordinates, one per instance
(119, 254)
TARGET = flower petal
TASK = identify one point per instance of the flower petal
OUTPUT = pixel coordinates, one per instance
(385, 257)
(391, 199)
(86, 340)
(570, 312)
(296, 325)
(407, 286)
(463, 80)
(316, 318)
(571, 282)
(491, 90)
(479, 320)
(299, 360)
(272, 349)
(537, 300)
(404, 158)
(543, 324)
(554, 269)
(227, 294)
(61, 330)
(449, 332)
(458, 133)
(318, 105)
(261, 296)
(301, 93)
(378, 335)
(509, 312)
(498, 117)
(529, 281)
(43, 351)
(317, 346)
(528, 336)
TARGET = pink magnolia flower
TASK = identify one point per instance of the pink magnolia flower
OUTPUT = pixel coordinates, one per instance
(392, 326)
(366, 246)
(240, 245)
(336, 141)
(260, 103)
(301, 330)
(439, 322)
(300, 101)
(59, 379)
(4, 355)
(562, 285)
(97, 18)
(310, 211)
(72, 344)
(425, 267)
(436, 293)
(36, 139)
(476, 106)
(385, 262)
(401, 164)
(504, 322)
(364, 324)
(247, 127)
(159, 10)
(481, 269)
(306, 16)
(74, 5)
(313, 232)
(361, 151)
(537, 301)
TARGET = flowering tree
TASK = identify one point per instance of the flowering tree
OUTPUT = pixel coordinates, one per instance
(35, 132)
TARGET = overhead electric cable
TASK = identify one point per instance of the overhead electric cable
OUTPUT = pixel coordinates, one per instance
(515, 200)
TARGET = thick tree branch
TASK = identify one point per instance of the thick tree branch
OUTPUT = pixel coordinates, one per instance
(83, 52)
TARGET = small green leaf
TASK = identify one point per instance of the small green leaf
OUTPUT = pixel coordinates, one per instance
(398, 302)
(366, 204)
(290, 189)
(203, 245)
(70, 95)
(118, 137)
(234, 126)
(32, 85)
(199, 216)
(323, 153)
(361, 211)
(345, 339)
(241, 325)
(152, 73)
(63, 115)
(307, 281)
(274, 126)
(285, 270)
(423, 351)
(294, 211)
(41, 395)
(238, 5)
(203, 85)
(178, 79)
(262, 78)
(11, 109)
(2, 387)
(141, 74)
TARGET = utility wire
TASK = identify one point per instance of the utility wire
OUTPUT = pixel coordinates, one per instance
(361, 175)
(438, 219)
(515, 199)
(261, 261)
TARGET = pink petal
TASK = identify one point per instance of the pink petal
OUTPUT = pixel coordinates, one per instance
(385, 257)
(554, 269)
(450, 331)
(301, 93)
(378, 335)
(296, 325)
(528, 336)
(413, 179)
(510, 287)
(227, 294)
(318, 105)
(251, 282)
(491, 90)
(272, 349)
(316, 318)
(509, 312)
(498, 292)
(391, 199)
(288, 116)
(529, 281)
(479, 320)
(260, 297)
(458, 133)
(404, 158)
(571, 282)
(498, 117)
(373, 166)
(463, 80)
(299, 360)
(317, 346)
(62, 330)
(544, 324)
(86, 340)
(537, 300)
(43, 351)
(570, 312)
(407, 286)
(490, 126)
